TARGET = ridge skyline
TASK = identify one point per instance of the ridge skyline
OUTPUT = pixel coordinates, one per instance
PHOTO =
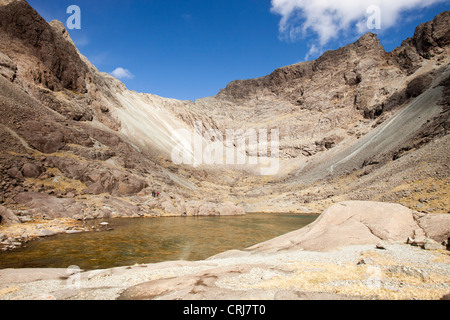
(187, 62)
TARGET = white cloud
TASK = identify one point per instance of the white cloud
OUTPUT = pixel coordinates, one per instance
(121, 73)
(313, 50)
(331, 19)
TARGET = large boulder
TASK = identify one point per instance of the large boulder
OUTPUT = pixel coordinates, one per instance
(436, 226)
(41, 205)
(15, 173)
(200, 208)
(130, 184)
(170, 209)
(113, 207)
(31, 170)
(348, 223)
(99, 178)
(419, 85)
(192, 207)
(208, 209)
(44, 136)
(230, 209)
(7, 217)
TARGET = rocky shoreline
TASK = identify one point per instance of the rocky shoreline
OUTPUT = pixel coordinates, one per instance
(17, 236)
(46, 215)
(354, 250)
(362, 272)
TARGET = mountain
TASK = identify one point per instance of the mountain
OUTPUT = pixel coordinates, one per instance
(357, 123)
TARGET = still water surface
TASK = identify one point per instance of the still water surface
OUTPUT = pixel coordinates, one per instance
(153, 240)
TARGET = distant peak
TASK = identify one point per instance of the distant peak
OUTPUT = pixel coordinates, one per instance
(369, 36)
(369, 39)
(6, 2)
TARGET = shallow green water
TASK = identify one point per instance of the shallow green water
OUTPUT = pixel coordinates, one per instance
(152, 240)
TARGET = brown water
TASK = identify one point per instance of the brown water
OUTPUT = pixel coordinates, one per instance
(153, 240)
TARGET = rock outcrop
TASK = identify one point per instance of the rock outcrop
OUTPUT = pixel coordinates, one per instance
(53, 61)
(44, 206)
(357, 223)
(7, 217)
(436, 226)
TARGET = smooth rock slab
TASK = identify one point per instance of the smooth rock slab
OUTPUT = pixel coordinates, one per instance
(348, 223)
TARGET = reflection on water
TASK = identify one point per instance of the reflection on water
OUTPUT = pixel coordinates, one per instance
(153, 240)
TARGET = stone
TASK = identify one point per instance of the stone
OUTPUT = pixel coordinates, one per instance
(117, 207)
(381, 245)
(31, 170)
(418, 239)
(105, 180)
(73, 231)
(418, 86)
(208, 209)
(48, 206)
(15, 173)
(192, 207)
(70, 195)
(169, 208)
(46, 233)
(7, 217)
(25, 219)
(230, 209)
(365, 260)
(436, 226)
(130, 185)
(430, 244)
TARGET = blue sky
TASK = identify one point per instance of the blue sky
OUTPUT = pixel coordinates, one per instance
(189, 49)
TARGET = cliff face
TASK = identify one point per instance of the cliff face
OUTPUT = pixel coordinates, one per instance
(75, 137)
(59, 116)
(53, 61)
(320, 103)
(356, 64)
